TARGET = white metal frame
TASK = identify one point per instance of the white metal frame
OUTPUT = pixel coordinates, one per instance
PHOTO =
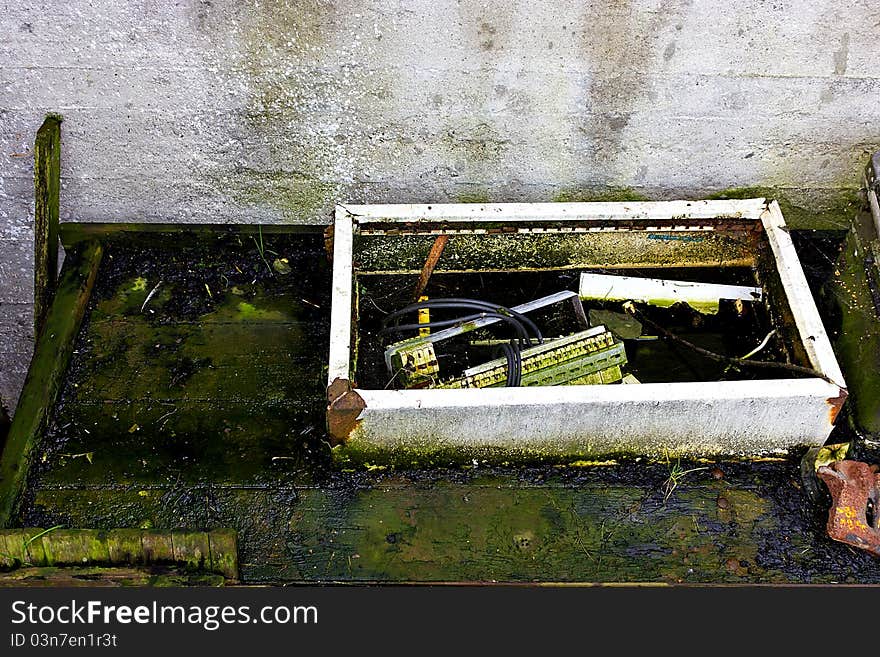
(730, 417)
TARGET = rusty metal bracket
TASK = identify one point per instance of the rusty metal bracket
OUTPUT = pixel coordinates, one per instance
(344, 406)
(854, 517)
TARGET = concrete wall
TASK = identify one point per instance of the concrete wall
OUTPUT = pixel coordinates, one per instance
(269, 111)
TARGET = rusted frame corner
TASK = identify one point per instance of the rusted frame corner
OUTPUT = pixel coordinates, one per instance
(344, 407)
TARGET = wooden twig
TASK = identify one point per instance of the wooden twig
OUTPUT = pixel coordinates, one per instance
(430, 262)
(739, 362)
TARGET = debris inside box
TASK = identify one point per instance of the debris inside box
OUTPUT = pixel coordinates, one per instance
(546, 328)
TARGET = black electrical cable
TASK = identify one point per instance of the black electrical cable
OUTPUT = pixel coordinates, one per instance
(522, 318)
(520, 329)
(513, 355)
(502, 310)
(452, 303)
(517, 364)
(439, 324)
(444, 305)
(512, 350)
(507, 350)
(522, 334)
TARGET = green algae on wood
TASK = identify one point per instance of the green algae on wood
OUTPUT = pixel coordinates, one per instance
(45, 375)
(858, 344)
(89, 547)
(548, 524)
(221, 396)
(407, 253)
(47, 187)
(103, 576)
(143, 234)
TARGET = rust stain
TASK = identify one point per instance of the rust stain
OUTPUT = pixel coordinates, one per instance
(854, 518)
(836, 403)
(344, 406)
(328, 241)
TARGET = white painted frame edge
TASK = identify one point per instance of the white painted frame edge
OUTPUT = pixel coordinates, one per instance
(514, 212)
(793, 280)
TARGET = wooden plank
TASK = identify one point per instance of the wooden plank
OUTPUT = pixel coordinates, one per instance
(506, 252)
(75, 232)
(54, 577)
(47, 186)
(78, 547)
(49, 364)
(724, 522)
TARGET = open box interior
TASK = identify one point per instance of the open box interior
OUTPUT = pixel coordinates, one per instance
(510, 254)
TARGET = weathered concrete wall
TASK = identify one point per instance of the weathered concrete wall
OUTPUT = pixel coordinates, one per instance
(269, 110)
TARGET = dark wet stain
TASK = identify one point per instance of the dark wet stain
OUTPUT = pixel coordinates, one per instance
(620, 41)
(841, 56)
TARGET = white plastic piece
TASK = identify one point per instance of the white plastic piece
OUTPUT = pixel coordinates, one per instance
(658, 292)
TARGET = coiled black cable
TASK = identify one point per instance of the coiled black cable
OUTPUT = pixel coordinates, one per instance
(470, 304)
(521, 324)
(513, 356)
(521, 332)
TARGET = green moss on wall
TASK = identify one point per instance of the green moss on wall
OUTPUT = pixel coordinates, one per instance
(832, 211)
(591, 194)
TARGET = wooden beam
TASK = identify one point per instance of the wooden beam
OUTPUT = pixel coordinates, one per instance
(214, 551)
(46, 372)
(47, 186)
(114, 576)
(75, 232)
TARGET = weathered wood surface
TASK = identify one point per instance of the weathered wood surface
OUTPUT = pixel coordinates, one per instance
(46, 373)
(50, 576)
(858, 343)
(236, 454)
(47, 187)
(156, 233)
(214, 551)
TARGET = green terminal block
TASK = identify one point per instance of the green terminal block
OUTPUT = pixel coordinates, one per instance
(414, 362)
(588, 357)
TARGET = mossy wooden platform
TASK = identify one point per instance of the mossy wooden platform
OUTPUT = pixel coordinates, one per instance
(194, 398)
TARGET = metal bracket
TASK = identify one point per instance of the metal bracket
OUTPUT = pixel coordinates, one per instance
(854, 517)
(344, 406)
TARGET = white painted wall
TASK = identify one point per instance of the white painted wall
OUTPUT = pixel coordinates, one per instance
(271, 110)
